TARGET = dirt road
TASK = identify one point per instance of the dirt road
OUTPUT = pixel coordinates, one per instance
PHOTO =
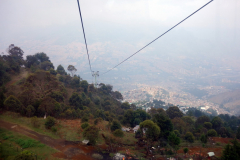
(67, 149)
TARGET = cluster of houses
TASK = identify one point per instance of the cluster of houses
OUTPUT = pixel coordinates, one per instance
(128, 129)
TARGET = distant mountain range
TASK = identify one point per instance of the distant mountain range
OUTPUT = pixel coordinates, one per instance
(229, 100)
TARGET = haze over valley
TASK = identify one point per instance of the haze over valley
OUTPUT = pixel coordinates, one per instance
(195, 62)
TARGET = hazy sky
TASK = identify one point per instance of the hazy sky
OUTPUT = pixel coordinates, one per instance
(54, 27)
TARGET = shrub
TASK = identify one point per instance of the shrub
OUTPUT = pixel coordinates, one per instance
(35, 122)
(54, 129)
(50, 121)
(177, 133)
(53, 72)
(115, 125)
(189, 137)
(85, 118)
(185, 150)
(91, 133)
(118, 133)
(30, 110)
(13, 104)
(212, 133)
(84, 125)
(25, 155)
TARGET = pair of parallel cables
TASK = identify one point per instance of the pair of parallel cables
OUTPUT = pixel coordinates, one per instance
(142, 47)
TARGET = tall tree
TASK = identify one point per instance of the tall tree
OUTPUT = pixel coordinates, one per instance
(84, 85)
(164, 123)
(16, 53)
(174, 141)
(47, 105)
(61, 70)
(174, 112)
(91, 133)
(71, 69)
(217, 123)
(189, 137)
(13, 104)
(152, 131)
(231, 151)
(238, 133)
(42, 57)
(76, 101)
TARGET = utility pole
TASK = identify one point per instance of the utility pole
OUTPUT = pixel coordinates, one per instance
(95, 74)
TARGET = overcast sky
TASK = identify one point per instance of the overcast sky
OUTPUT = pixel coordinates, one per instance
(40, 25)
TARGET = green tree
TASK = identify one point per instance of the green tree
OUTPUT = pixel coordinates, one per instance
(231, 151)
(185, 150)
(85, 118)
(53, 72)
(91, 133)
(201, 120)
(189, 137)
(125, 105)
(30, 110)
(84, 125)
(217, 123)
(58, 96)
(203, 139)
(47, 106)
(174, 141)
(151, 129)
(208, 125)
(238, 133)
(15, 58)
(4, 77)
(46, 65)
(31, 60)
(177, 133)
(115, 125)
(84, 85)
(75, 82)
(25, 155)
(117, 95)
(212, 133)
(71, 69)
(42, 57)
(118, 133)
(173, 112)
(76, 101)
(50, 121)
(2, 99)
(13, 104)
(61, 70)
(164, 123)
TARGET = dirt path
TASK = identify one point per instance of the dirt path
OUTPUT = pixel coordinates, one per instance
(67, 149)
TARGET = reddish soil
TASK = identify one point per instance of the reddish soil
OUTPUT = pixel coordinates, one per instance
(222, 140)
(67, 149)
(196, 151)
(75, 150)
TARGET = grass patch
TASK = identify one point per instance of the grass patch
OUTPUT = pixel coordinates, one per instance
(27, 143)
(15, 143)
(26, 122)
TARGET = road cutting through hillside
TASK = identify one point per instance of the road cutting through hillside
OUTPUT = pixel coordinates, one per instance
(66, 149)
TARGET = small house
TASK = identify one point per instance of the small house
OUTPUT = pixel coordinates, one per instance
(135, 128)
(125, 129)
(119, 156)
(85, 141)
